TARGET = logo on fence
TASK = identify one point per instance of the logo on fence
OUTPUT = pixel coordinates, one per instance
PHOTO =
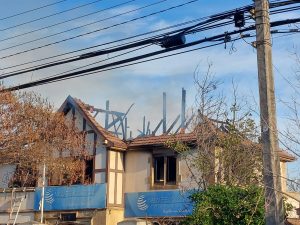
(49, 197)
(142, 203)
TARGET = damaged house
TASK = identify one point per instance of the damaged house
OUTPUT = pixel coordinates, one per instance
(139, 179)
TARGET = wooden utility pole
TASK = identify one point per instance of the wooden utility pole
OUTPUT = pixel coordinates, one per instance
(271, 165)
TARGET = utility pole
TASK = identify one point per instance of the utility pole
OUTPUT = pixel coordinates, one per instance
(271, 165)
(43, 193)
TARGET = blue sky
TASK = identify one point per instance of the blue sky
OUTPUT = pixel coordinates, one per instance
(142, 84)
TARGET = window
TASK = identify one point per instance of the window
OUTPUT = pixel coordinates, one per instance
(23, 176)
(171, 170)
(159, 169)
(89, 168)
(165, 170)
(84, 174)
(68, 216)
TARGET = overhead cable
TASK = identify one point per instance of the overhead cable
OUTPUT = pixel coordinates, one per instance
(152, 40)
(120, 62)
(65, 21)
(91, 32)
(31, 10)
(51, 15)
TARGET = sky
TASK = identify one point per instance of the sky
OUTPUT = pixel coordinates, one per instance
(143, 84)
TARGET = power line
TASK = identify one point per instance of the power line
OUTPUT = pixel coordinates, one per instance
(88, 24)
(109, 58)
(94, 31)
(71, 59)
(20, 72)
(148, 55)
(51, 15)
(31, 10)
(134, 63)
(111, 42)
(40, 82)
(65, 21)
(224, 14)
(216, 16)
(107, 43)
(246, 8)
(150, 40)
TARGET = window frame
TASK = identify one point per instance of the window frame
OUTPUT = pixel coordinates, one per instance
(164, 184)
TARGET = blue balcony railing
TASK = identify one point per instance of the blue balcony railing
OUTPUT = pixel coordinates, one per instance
(72, 197)
(158, 204)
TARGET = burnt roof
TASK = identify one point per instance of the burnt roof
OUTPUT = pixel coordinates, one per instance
(140, 142)
(84, 109)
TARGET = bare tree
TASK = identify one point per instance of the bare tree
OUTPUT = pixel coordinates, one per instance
(227, 150)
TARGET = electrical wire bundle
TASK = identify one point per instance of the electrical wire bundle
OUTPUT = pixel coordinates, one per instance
(171, 38)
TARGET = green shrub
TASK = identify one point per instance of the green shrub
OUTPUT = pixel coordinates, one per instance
(221, 205)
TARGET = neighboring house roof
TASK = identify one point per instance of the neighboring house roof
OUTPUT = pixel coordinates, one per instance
(113, 141)
(286, 157)
(161, 139)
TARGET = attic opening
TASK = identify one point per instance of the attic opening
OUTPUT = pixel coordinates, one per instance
(88, 171)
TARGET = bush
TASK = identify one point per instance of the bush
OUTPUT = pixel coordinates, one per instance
(222, 205)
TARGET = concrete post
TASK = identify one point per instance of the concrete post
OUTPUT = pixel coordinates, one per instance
(271, 170)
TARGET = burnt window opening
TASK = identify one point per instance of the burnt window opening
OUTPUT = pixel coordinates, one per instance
(68, 217)
(165, 170)
(89, 169)
(171, 170)
(83, 174)
(159, 169)
(24, 176)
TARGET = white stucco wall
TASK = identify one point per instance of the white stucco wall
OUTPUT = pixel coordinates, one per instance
(78, 120)
(100, 157)
(137, 171)
(22, 217)
(26, 213)
(6, 173)
(187, 170)
(27, 204)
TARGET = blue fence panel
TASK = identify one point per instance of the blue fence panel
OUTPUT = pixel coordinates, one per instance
(72, 197)
(158, 204)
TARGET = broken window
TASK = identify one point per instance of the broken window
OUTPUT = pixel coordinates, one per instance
(89, 168)
(159, 169)
(171, 170)
(68, 217)
(84, 174)
(165, 171)
(24, 176)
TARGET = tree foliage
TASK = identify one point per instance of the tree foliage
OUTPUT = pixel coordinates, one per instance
(32, 134)
(226, 161)
(221, 205)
